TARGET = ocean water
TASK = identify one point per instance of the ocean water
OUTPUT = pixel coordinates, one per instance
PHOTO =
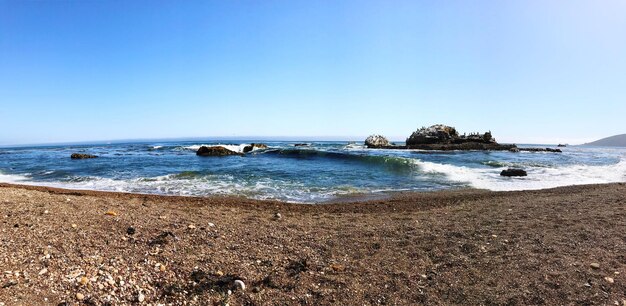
(319, 172)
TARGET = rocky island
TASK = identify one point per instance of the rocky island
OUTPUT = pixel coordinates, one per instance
(446, 138)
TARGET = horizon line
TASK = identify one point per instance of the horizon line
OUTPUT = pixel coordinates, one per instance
(209, 138)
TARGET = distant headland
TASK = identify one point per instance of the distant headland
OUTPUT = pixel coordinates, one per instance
(613, 141)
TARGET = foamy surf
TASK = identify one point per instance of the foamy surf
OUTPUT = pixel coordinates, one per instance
(538, 177)
(12, 178)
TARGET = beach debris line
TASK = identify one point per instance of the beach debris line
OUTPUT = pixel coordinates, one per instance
(82, 156)
(216, 151)
(513, 172)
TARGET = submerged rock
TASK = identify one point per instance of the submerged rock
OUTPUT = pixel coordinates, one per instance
(513, 172)
(376, 141)
(251, 147)
(215, 151)
(82, 156)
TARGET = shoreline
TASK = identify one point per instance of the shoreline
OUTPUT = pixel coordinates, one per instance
(438, 248)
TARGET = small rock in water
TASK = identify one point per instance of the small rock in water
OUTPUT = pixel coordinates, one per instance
(240, 285)
(513, 172)
(595, 265)
(130, 230)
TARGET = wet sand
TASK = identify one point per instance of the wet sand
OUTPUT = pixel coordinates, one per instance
(558, 246)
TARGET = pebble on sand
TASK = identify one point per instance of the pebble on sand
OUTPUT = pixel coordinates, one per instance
(83, 281)
(80, 296)
(141, 297)
(595, 265)
(609, 280)
(240, 285)
(337, 267)
(110, 213)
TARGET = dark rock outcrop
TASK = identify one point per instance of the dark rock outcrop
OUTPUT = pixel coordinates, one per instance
(376, 141)
(513, 172)
(541, 150)
(82, 156)
(301, 145)
(438, 133)
(443, 134)
(215, 151)
(251, 147)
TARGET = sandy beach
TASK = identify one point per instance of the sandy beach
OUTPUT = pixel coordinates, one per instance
(557, 246)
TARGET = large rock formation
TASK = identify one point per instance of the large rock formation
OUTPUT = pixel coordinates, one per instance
(82, 156)
(443, 134)
(215, 151)
(446, 138)
(376, 141)
(251, 147)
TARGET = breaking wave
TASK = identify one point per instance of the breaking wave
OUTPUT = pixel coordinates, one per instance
(538, 177)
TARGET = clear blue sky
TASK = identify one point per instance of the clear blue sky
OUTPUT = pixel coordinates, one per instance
(531, 71)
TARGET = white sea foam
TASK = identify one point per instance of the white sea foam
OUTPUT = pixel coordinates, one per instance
(228, 185)
(538, 177)
(12, 178)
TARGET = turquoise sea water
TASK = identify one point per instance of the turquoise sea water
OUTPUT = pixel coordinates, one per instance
(318, 172)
